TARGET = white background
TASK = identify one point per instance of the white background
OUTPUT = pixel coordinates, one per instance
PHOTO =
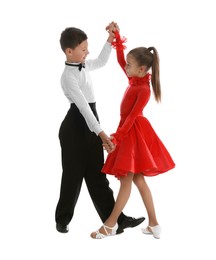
(32, 106)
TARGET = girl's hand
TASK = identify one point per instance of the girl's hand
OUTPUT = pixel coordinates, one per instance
(111, 28)
(108, 145)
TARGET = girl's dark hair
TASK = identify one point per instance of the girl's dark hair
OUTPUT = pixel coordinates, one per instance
(71, 37)
(144, 56)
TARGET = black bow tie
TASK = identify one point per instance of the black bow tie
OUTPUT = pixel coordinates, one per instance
(80, 65)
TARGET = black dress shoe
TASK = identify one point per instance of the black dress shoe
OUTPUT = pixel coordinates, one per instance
(62, 228)
(129, 222)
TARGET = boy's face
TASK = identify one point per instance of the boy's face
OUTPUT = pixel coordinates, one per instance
(79, 54)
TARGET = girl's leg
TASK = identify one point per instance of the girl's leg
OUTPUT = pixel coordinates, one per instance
(121, 201)
(146, 195)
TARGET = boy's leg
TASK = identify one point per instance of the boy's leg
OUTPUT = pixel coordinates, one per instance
(73, 164)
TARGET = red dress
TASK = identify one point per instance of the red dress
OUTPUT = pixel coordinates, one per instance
(138, 149)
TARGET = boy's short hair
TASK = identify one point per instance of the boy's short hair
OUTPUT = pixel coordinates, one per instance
(71, 37)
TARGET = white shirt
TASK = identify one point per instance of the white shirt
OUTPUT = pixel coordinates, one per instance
(77, 86)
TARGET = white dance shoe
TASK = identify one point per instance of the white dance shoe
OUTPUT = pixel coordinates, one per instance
(108, 233)
(155, 231)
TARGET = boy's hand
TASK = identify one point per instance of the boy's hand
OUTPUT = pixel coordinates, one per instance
(111, 28)
(108, 145)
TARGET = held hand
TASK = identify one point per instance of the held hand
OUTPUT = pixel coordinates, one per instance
(107, 143)
(111, 28)
(109, 146)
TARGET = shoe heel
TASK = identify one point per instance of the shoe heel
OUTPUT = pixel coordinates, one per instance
(156, 231)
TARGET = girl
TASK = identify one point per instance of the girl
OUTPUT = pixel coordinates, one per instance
(139, 152)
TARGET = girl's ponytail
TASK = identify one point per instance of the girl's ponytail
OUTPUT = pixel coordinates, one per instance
(155, 78)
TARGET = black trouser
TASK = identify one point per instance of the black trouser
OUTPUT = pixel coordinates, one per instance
(82, 158)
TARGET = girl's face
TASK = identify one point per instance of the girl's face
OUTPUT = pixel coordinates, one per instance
(132, 68)
(79, 54)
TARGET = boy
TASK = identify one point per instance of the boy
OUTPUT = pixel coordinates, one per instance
(81, 136)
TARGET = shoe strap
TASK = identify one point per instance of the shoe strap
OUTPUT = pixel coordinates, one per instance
(105, 228)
